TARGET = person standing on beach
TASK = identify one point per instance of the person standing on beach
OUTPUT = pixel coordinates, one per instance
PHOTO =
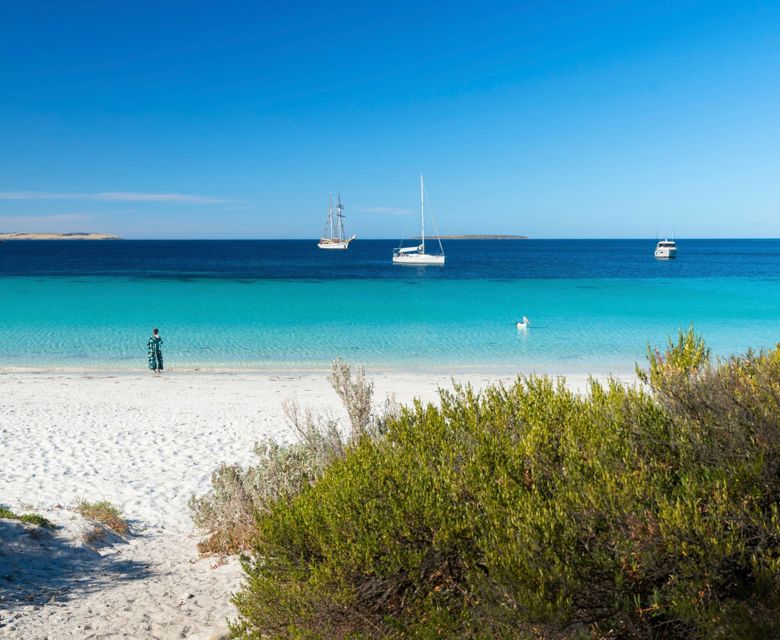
(154, 348)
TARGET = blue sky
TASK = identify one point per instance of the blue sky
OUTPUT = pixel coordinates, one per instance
(235, 120)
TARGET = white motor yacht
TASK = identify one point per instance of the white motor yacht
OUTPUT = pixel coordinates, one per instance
(666, 250)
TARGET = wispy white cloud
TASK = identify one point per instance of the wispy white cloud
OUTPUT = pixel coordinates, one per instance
(63, 217)
(116, 196)
(386, 211)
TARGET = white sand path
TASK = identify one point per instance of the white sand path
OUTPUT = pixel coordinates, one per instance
(146, 444)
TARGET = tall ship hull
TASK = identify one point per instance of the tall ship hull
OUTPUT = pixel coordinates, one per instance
(327, 243)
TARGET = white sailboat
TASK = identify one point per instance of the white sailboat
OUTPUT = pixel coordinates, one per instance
(416, 255)
(334, 236)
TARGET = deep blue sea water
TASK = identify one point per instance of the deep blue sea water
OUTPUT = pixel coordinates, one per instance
(594, 305)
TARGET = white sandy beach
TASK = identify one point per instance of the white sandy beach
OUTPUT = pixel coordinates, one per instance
(146, 444)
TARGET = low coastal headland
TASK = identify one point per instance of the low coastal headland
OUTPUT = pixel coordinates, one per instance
(57, 236)
(510, 508)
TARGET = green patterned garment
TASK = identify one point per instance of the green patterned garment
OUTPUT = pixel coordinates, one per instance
(154, 348)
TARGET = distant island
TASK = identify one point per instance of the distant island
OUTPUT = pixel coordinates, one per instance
(57, 236)
(482, 237)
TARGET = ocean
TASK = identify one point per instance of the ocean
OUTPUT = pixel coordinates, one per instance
(594, 305)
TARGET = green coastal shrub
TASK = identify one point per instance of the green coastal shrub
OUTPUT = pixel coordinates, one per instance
(532, 512)
(228, 511)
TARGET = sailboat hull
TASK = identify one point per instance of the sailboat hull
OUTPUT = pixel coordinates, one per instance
(416, 259)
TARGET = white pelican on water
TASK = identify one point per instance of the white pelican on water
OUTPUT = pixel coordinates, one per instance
(524, 324)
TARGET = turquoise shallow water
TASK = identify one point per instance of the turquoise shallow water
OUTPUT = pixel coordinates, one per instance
(578, 324)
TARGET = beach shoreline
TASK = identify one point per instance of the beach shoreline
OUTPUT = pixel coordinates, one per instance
(574, 369)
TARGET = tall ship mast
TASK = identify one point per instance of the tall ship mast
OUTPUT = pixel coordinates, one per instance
(334, 236)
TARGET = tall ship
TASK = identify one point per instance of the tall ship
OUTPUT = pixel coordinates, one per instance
(335, 236)
(417, 255)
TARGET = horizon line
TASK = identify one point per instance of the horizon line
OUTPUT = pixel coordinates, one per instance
(394, 239)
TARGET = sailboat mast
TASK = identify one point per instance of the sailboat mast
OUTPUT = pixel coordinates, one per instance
(340, 222)
(422, 214)
(330, 213)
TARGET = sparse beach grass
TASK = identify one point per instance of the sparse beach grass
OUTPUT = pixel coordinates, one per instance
(29, 518)
(105, 513)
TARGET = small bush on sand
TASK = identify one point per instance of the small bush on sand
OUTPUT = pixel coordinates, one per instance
(228, 511)
(39, 521)
(355, 394)
(105, 513)
(532, 512)
(6, 513)
(29, 518)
